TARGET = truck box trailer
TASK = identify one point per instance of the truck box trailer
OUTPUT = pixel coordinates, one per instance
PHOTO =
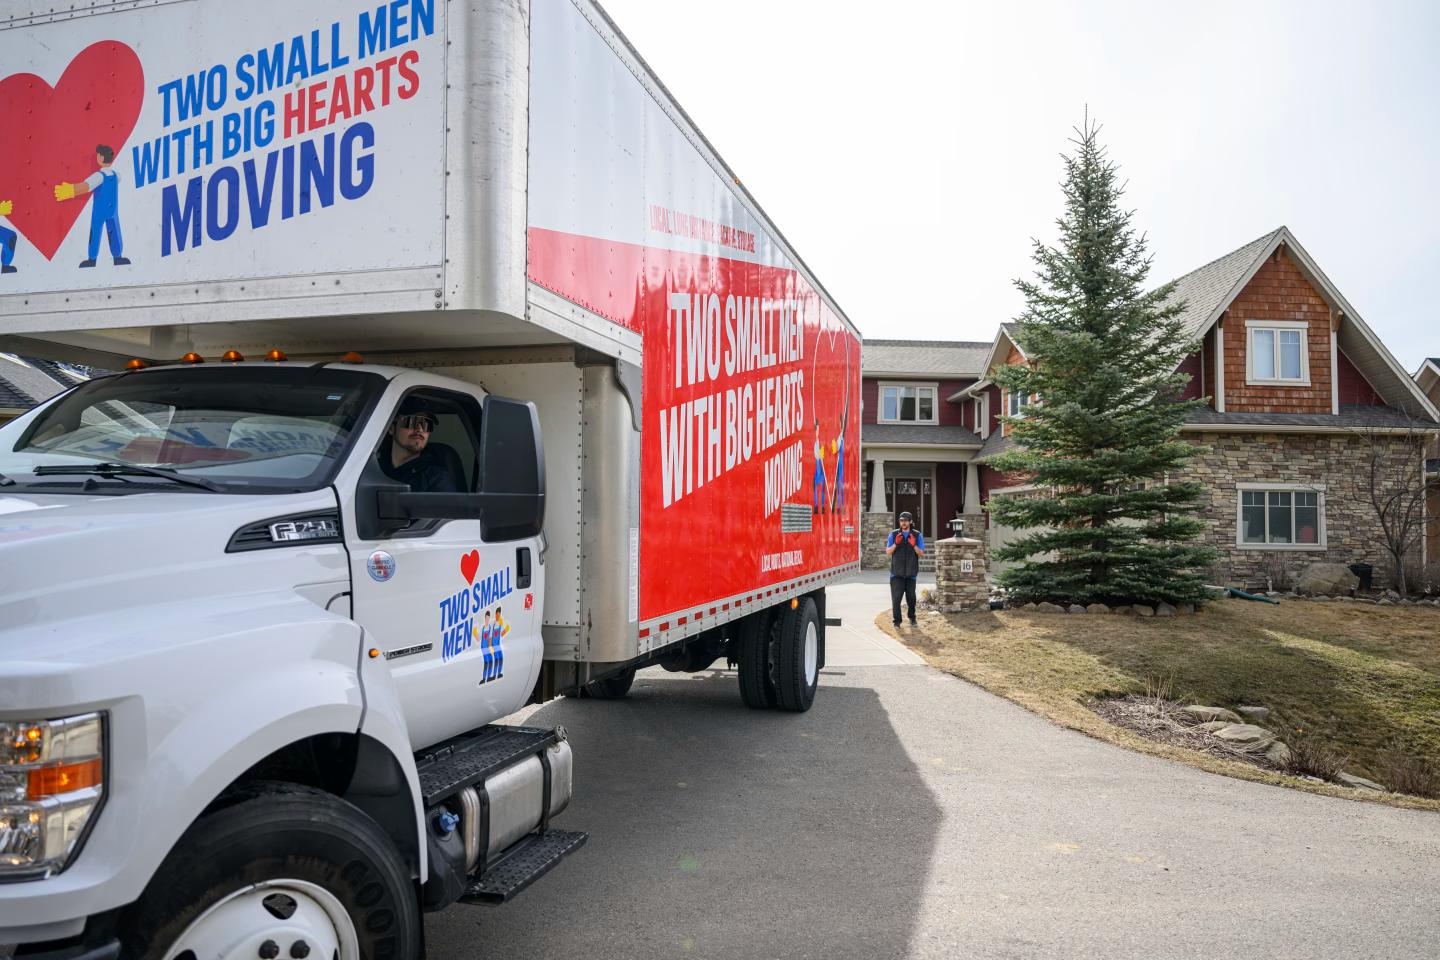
(452, 370)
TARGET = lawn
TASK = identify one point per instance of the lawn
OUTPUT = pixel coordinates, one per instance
(1362, 680)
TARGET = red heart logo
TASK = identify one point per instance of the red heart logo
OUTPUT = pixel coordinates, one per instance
(469, 564)
(51, 134)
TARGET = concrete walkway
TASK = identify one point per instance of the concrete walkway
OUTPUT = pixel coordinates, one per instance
(857, 642)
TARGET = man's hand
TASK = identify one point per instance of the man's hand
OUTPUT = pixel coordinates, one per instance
(7, 207)
(64, 191)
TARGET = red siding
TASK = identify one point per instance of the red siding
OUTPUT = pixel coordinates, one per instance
(949, 494)
(1354, 388)
(993, 392)
(949, 414)
(1191, 368)
(1207, 359)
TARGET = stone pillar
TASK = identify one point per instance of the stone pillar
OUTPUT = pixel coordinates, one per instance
(956, 587)
(874, 528)
(972, 490)
(877, 489)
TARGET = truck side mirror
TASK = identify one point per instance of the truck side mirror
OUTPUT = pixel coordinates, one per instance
(512, 467)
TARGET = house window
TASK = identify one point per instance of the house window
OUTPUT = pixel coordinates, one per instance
(1285, 517)
(1016, 401)
(1277, 353)
(907, 403)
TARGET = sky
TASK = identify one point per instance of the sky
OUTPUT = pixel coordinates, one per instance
(910, 153)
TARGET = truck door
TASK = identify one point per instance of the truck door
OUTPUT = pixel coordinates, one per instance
(449, 612)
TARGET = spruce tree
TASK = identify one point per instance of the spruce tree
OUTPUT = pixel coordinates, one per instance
(1114, 520)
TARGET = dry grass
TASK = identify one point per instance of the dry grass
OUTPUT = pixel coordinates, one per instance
(1349, 681)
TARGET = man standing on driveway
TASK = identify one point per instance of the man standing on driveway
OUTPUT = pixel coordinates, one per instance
(905, 547)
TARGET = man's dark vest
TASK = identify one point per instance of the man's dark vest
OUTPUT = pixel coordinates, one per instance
(904, 562)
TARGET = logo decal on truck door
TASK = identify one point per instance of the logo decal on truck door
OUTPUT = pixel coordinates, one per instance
(467, 620)
(381, 566)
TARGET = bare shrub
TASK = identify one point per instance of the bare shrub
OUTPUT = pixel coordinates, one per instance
(1312, 757)
(1159, 696)
(1277, 572)
(1404, 772)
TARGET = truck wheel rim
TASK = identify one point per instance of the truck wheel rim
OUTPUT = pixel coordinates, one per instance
(274, 920)
(812, 654)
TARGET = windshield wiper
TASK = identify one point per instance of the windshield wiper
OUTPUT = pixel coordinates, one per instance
(124, 470)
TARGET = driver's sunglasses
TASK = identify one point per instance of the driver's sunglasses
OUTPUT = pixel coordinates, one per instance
(416, 421)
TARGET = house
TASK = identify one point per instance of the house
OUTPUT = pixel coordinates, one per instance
(1298, 391)
(918, 436)
(26, 381)
(1428, 377)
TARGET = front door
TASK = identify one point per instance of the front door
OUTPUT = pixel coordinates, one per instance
(453, 616)
(912, 494)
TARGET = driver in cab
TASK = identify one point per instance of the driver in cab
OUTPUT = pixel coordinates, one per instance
(407, 458)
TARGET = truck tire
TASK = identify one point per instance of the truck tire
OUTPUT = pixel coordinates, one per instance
(752, 658)
(613, 687)
(797, 660)
(280, 865)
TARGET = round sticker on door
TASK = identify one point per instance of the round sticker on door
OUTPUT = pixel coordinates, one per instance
(381, 566)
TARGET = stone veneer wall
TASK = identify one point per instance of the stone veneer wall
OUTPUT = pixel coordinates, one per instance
(956, 590)
(874, 529)
(1338, 463)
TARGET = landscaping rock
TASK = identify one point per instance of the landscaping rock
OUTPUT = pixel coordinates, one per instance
(1210, 726)
(1385, 602)
(1253, 714)
(1124, 611)
(1163, 609)
(1359, 783)
(1278, 753)
(1048, 607)
(1391, 595)
(1186, 608)
(1075, 608)
(1244, 734)
(1143, 611)
(1097, 608)
(1196, 712)
(1032, 607)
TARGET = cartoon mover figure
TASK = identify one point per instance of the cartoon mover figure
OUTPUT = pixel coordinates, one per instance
(7, 239)
(105, 211)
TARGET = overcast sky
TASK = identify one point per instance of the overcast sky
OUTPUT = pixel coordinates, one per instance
(911, 151)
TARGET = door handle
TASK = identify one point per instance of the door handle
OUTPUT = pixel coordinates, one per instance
(522, 568)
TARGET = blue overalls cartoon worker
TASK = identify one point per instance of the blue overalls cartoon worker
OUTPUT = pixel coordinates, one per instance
(105, 211)
(837, 499)
(497, 635)
(8, 239)
(817, 495)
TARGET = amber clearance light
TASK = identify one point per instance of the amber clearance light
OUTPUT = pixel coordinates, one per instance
(352, 357)
(192, 357)
(233, 356)
(276, 356)
(136, 364)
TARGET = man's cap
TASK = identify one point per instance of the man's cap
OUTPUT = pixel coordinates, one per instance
(413, 405)
(905, 515)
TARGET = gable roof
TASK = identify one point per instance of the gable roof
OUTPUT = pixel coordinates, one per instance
(922, 358)
(1427, 377)
(1209, 291)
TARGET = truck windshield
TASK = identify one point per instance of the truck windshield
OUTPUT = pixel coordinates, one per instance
(244, 429)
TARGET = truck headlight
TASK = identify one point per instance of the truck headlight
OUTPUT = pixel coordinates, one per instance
(52, 779)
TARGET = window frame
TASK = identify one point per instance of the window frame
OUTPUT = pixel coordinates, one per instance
(932, 386)
(1321, 534)
(1276, 327)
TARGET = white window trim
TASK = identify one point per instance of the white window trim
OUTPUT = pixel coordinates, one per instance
(1277, 325)
(1316, 488)
(982, 414)
(933, 387)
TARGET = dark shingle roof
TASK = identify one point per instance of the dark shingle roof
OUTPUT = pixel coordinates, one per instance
(994, 444)
(916, 433)
(22, 384)
(1351, 416)
(1205, 288)
(945, 358)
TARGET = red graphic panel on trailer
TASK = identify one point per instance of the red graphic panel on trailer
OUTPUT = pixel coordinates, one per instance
(751, 394)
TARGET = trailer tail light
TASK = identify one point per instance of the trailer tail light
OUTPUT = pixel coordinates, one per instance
(192, 357)
(233, 356)
(276, 356)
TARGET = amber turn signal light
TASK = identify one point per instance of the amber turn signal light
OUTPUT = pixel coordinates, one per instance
(63, 778)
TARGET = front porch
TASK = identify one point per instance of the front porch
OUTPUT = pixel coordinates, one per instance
(935, 483)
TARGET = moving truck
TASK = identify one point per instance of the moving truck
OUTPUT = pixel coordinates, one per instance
(451, 370)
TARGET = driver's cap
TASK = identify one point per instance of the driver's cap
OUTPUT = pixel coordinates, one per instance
(905, 515)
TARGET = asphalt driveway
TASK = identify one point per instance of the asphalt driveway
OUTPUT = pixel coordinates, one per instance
(910, 814)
